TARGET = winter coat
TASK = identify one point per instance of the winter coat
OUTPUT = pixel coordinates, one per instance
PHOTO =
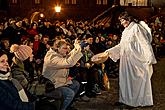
(9, 98)
(18, 72)
(56, 67)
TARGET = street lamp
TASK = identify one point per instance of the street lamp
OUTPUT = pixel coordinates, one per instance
(57, 9)
(41, 15)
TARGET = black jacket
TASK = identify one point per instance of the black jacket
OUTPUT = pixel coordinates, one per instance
(9, 98)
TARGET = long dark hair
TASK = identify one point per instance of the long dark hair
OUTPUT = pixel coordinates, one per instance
(128, 17)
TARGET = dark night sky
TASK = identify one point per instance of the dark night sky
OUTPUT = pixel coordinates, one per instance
(3, 4)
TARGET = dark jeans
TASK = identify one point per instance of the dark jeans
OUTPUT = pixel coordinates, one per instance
(69, 93)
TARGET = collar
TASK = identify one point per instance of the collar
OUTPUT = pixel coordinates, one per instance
(5, 76)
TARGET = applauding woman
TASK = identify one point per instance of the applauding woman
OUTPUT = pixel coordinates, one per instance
(12, 95)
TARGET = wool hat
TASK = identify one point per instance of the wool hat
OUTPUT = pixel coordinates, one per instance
(22, 52)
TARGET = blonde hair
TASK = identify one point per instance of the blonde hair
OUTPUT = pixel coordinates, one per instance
(58, 43)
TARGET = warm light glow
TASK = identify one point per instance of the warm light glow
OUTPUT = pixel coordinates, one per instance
(57, 9)
(41, 15)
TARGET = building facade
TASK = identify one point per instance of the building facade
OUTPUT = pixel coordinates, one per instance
(69, 8)
(83, 9)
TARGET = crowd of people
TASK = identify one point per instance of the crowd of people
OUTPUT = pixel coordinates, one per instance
(48, 64)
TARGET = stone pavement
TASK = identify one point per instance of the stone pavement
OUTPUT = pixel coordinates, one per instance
(106, 100)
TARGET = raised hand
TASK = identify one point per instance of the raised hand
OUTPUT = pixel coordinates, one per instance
(77, 45)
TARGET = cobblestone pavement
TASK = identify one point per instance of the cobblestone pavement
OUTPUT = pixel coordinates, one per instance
(106, 100)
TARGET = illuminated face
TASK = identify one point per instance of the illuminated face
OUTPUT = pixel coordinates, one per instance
(63, 50)
(90, 40)
(124, 22)
(6, 43)
(4, 63)
(45, 40)
(34, 26)
(36, 37)
(114, 37)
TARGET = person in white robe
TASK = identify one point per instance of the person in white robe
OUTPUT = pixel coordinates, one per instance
(136, 58)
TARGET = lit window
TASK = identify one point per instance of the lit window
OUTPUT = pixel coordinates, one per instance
(104, 2)
(98, 2)
(66, 1)
(142, 2)
(134, 2)
(37, 1)
(14, 1)
(74, 1)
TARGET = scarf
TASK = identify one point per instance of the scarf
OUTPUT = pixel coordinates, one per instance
(4, 75)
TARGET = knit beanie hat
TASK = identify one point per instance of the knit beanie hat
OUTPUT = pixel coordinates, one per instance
(22, 52)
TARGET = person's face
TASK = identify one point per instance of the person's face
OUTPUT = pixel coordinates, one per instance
(45, 40)
(90, 40)
(35, 26)
(109, 42)
(4, 63)
(114, 37)
(19, 23)
(63, 50)
(36, 37)
(102, 39)
(6, 44)
(124, 22)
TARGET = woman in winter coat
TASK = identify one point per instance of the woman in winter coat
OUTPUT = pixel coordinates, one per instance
(12, 95)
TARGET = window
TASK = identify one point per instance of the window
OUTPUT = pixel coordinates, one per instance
(142, 2)
(70, 1)
(37, 1)
(133, 2)
(74, 1)
(104, 2)
(98, 2)
(66, 1)
(14, 1)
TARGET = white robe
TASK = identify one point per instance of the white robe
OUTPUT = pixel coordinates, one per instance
(136, 59)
